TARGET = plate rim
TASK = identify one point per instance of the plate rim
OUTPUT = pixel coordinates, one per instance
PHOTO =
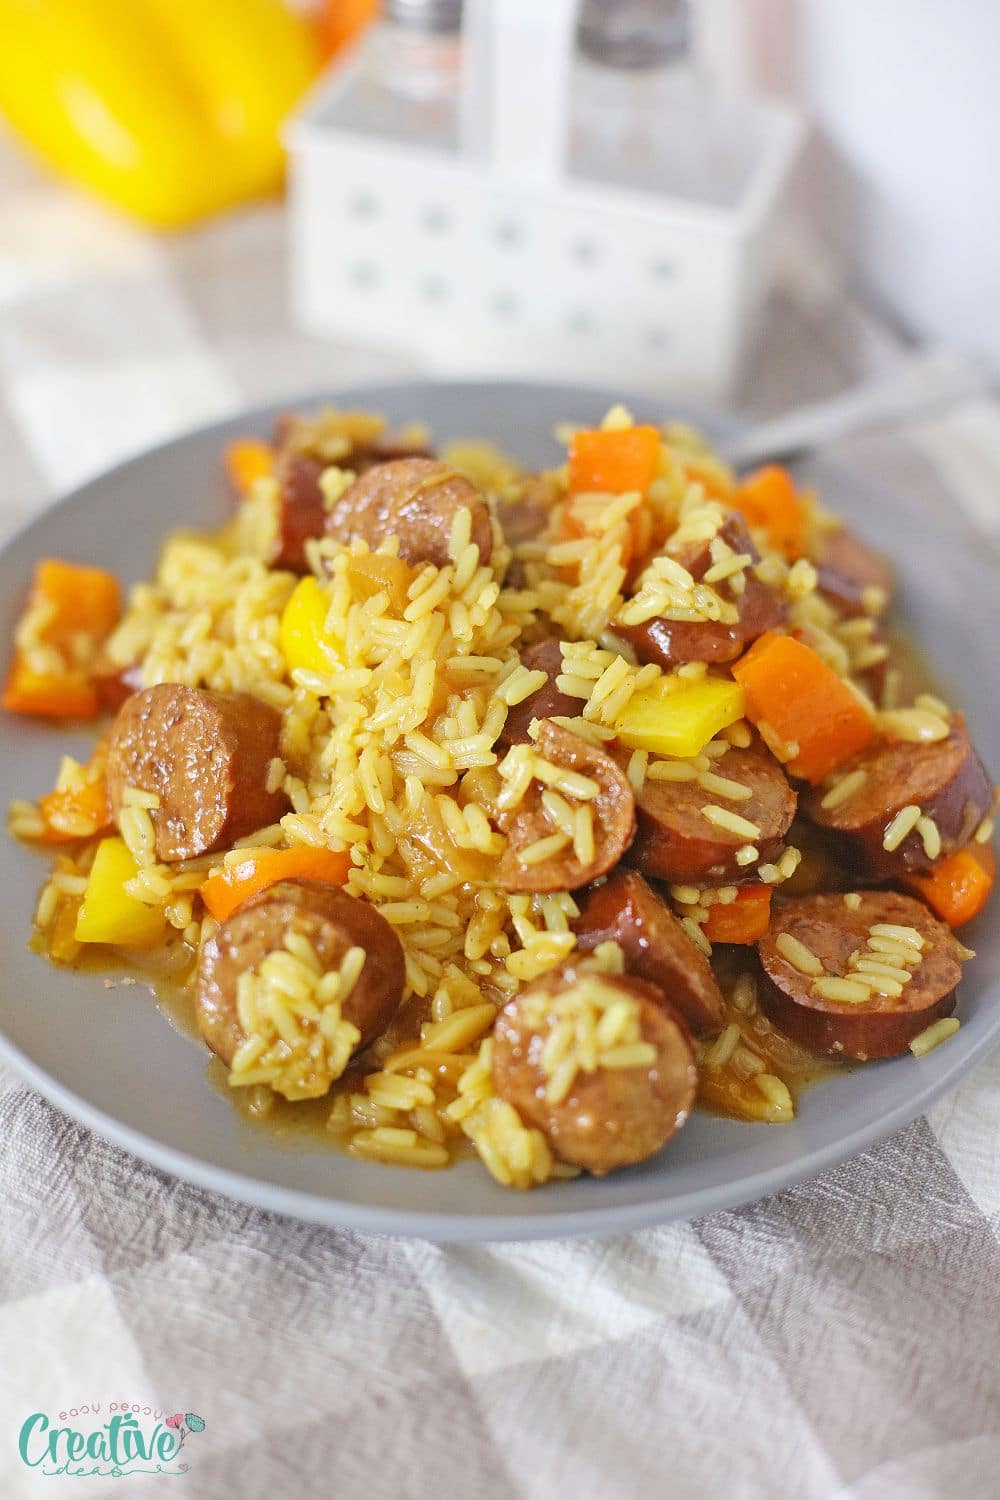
(449, 1226)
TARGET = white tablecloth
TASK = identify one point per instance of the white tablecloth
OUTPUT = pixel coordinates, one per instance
(837, 1340)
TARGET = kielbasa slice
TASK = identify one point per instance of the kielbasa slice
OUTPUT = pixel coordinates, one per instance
(547, 702)
(675, 841)
(301, 512)
(327, 437)
(206, 755)
(612, 819)
(626, 910)
(882, 1026)
(416, 500)
(332, 922)
(846, 568)
(115, 683)
(670, 643)
(613, 1116)
(524, 517)
(945, 779)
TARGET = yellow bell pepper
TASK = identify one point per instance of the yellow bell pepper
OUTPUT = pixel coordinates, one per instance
(108, 914)
(677, 716)
(305, 642)
(169, 109)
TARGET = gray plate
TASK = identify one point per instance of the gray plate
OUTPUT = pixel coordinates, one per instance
(110, 1058)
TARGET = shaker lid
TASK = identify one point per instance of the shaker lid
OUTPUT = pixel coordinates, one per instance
(634, 33)
(424, 15)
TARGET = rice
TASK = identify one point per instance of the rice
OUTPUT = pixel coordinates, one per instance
(914, 725)
(844, 788)
(588, 1026)
(797, 954)
(721, 817)
(516, 1155)
(290, 1009)
(722, 1049)
(844, 991)
(934, 1035)
(901, 826)
(724, 786)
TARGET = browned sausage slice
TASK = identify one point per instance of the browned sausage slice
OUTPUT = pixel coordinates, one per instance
(386, 449)
(847, 567)
(945, 779)
(301, 513)
(332, 922)
(613, 1116)
(612, 819)
(328, 437)
(524, 517)
(115, 683)
(677, 842)
(206, 755)
(882, 1026)
(627, 911)
(547, 702)
(416, 500)
(670, 643)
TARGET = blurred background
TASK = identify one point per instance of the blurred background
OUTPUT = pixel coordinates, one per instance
(206, 204)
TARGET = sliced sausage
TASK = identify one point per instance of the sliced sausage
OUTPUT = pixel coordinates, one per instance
(611, 1117)
(416, 500)
(332, 922)
(626, 910)
(384, 450)
(206, 755)
(846, 567)
(524, 518)
(114, 683)
(946, 779)
(677, 842)
(301, 512)
(670, 643)
(546, 702)
(325, 436)
(612, 819)
(882, 1026)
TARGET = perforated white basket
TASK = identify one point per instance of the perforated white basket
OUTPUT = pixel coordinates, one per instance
(498, 261)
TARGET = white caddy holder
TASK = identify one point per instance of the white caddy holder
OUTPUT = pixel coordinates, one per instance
(493, 261)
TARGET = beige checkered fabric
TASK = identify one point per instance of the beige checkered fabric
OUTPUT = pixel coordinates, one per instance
(839, 1340)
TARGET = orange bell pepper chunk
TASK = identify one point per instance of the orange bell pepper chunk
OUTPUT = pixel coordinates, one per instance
(613, 462)
(85, 599)
(372, 573)
(234, 884)
(769, 501)
(790, 690)
(66, 695)
(72, 601)
(742, 921)
(66, 807)
(246, 460)
(958, 888)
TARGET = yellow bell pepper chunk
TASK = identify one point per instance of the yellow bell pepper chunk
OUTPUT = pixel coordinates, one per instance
(108, 914)
(305, 642)
(679, 717)
(170, 109)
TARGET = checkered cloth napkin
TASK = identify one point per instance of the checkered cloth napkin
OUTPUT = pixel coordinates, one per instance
(838, 1340)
